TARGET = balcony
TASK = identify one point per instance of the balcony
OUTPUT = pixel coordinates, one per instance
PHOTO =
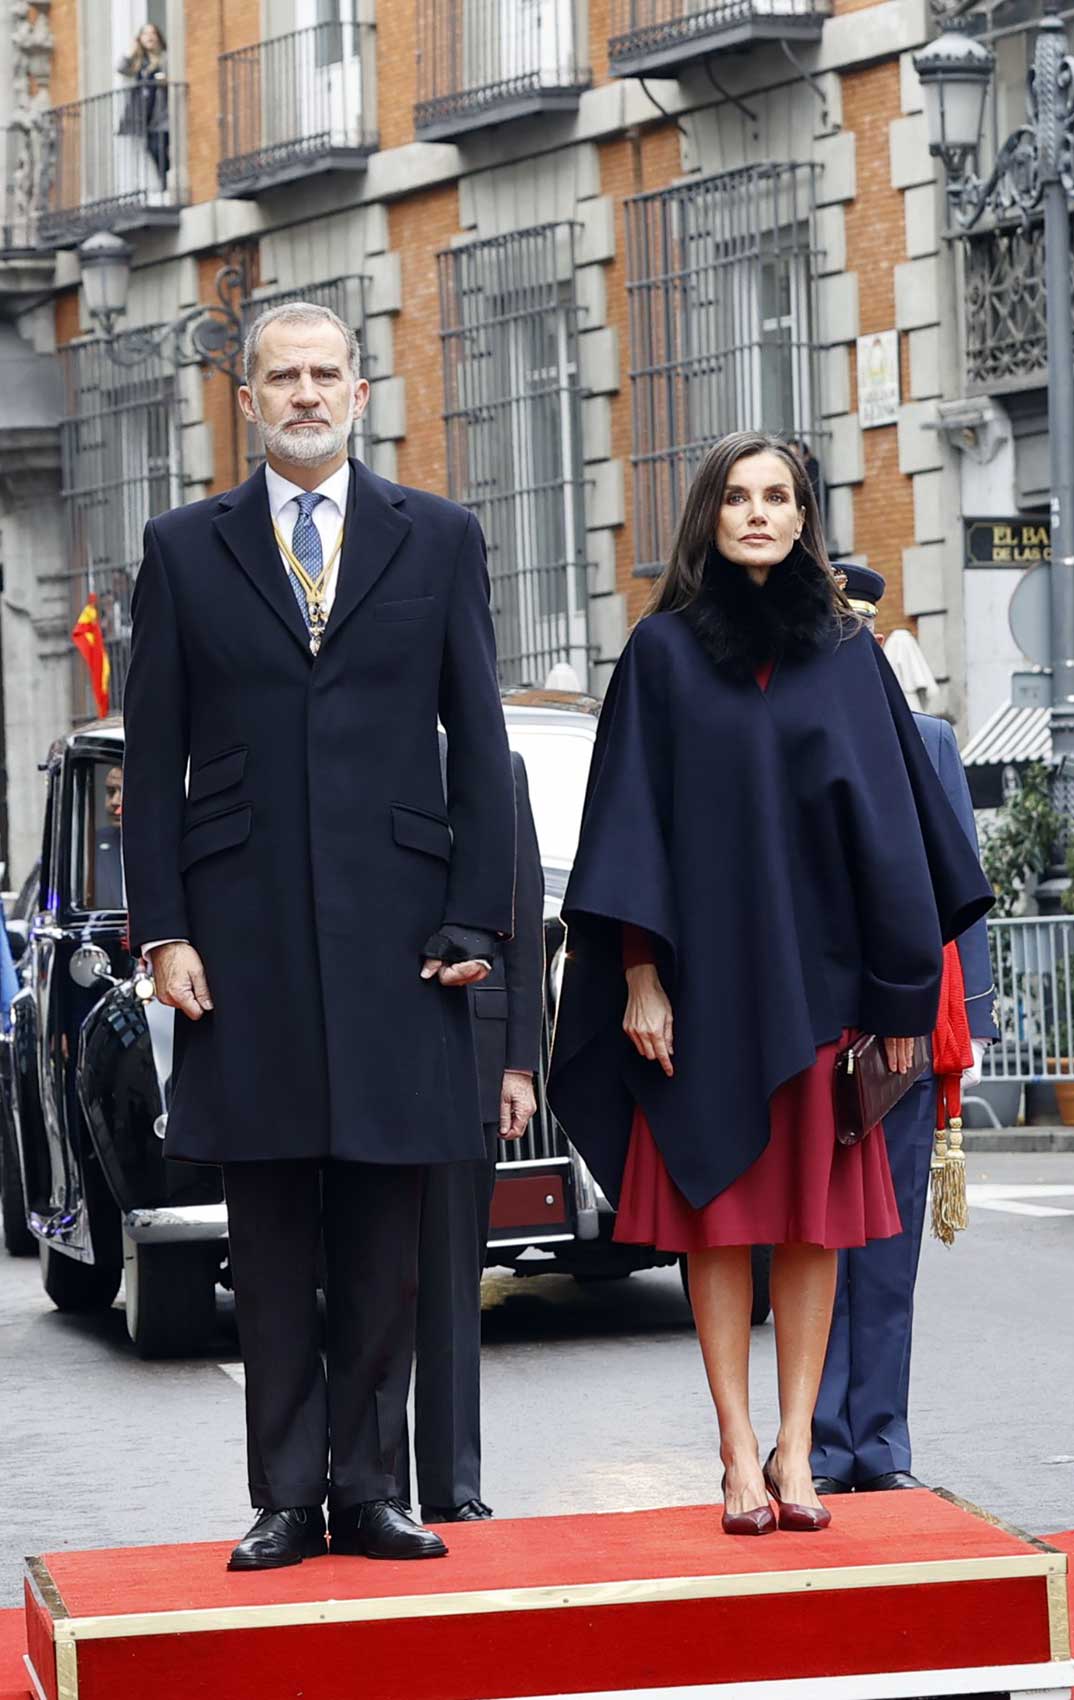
(483, 62)
(662, 37)
(1006, 329)
(296, 106)
(112, 162)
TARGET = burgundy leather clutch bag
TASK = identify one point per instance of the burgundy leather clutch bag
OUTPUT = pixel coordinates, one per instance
(865, 1089)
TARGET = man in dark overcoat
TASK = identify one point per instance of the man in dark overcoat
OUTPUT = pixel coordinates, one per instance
(508, 1010)
(312, 907)
(861, 1427)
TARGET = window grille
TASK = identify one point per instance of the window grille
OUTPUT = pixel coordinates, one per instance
(722, 329)
(120, 465)
(510, 338)
(344, 296)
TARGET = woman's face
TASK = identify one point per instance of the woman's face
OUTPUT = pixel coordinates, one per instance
(149, 38)
(760, 519)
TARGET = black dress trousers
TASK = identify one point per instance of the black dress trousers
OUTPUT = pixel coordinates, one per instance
(447, 1383)
(333, 1425)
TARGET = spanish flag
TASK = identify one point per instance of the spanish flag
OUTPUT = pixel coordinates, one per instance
(89, 641)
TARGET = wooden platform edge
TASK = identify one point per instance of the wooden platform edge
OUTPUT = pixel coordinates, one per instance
(1050, 1567)
(1058, 1591)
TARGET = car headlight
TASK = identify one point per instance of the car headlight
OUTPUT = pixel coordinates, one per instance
(555, 975)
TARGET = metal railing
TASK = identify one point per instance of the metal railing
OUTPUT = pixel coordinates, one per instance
(113, 162)
(1033, 970)
(653, 34)
(508, 324)
(482, 61)
(296, 104)
(1006, 333)
(723, 329)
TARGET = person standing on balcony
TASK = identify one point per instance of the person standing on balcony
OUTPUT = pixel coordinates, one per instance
(145, 114)
(861, 1430)
(314, 909)
(767, 866)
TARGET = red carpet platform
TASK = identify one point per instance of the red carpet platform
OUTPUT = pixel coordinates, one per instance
(907, 1594)
(14, 1682)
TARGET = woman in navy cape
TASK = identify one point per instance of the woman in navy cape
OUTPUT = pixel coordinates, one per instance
(767, 866)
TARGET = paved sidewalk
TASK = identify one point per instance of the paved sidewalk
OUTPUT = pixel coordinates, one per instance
(1018, 1139)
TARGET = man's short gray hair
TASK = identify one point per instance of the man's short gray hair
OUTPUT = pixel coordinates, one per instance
(298, 313)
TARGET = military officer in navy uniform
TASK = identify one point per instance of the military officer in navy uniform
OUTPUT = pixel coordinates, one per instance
(861, 1434)
(508, 1011)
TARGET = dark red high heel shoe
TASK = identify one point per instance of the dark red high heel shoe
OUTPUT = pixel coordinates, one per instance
(757, 1521)
(795, 1519)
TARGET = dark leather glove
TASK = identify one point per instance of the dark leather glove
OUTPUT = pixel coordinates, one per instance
(452, 944)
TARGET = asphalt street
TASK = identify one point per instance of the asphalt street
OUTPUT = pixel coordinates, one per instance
(594, 1396)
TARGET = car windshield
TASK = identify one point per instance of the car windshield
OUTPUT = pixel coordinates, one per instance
(557, 767)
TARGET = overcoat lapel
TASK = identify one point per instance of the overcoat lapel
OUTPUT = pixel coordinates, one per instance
(245, 525)
(374, 529)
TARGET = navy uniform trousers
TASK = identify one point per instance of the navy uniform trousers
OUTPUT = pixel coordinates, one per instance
(861, 1423)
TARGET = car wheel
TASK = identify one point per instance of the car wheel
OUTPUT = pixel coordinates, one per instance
(73, 1286)
(170, 1295)
(17, 1236)
(761, 1264)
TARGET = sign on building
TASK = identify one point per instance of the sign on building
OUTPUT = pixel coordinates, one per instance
(1007, 542)
(878, 379)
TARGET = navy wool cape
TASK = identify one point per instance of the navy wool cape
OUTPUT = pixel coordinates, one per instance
(794, 854)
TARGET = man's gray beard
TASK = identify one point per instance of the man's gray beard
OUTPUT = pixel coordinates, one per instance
(305, 447)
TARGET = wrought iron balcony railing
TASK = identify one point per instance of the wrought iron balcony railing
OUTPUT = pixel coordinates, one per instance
(296, 105)
(481, 62)
(113, 162)
(652, 36)
(1006, 330)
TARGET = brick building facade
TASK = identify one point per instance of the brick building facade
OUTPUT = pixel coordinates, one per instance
(578, 238)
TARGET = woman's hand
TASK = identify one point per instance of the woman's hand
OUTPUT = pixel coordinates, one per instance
(648, 1022)
(900, 1054)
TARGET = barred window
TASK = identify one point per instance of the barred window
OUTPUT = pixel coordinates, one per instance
(120, 461)
(344, 296)
(509, 330)
(722, 329)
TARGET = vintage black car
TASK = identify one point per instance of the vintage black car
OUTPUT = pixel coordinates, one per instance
(86, 1072)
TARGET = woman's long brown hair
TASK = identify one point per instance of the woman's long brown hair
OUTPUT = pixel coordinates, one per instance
(681, 580)
(140, 57)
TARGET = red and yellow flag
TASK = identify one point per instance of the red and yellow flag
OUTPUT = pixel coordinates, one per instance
(88, 639)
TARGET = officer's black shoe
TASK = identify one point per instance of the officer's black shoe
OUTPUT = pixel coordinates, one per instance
(380, 1528)
(281, 1537)
(889, 1480)
(473, 1511)
(825, 1485)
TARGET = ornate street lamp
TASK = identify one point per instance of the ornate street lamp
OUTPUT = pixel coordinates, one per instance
(210, 334)
(1033, 175)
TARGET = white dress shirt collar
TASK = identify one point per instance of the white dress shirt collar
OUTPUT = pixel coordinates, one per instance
(281, 490)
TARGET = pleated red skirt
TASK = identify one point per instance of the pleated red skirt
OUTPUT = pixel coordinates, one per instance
(804, 1187)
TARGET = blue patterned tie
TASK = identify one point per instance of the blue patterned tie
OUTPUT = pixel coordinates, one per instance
(306, 547)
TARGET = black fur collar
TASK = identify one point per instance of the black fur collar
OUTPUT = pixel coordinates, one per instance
(743, 625)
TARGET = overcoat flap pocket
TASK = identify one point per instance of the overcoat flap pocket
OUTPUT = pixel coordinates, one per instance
(420, 831)
(219, 832)
(217, 774)
(410, 608)
(490, 1002)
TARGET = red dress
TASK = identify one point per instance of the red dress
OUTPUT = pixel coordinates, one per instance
(804, 1187)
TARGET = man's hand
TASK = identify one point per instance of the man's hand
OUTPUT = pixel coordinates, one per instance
(179, 979)
(462, 974)
(518, 1101)
(648, 1022)
(900, 1054)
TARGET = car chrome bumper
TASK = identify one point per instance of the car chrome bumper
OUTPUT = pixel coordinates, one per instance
(170, 1223)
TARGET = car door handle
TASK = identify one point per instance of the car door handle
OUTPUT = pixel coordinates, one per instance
(53, 933)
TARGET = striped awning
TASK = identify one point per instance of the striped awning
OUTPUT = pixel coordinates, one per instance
(1010, 735)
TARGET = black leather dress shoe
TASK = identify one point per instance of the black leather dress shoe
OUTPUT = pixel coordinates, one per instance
(281, 1537)
(380, 1528)
(473, 1511)
(825, 1485)
(889, 1480)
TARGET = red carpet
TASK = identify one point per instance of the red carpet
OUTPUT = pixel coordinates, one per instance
(13, 1680)
(612, 1603)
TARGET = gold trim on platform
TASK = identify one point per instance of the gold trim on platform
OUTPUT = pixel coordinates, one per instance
(1058, 1595)
(44, 1588)
(586, 1595)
